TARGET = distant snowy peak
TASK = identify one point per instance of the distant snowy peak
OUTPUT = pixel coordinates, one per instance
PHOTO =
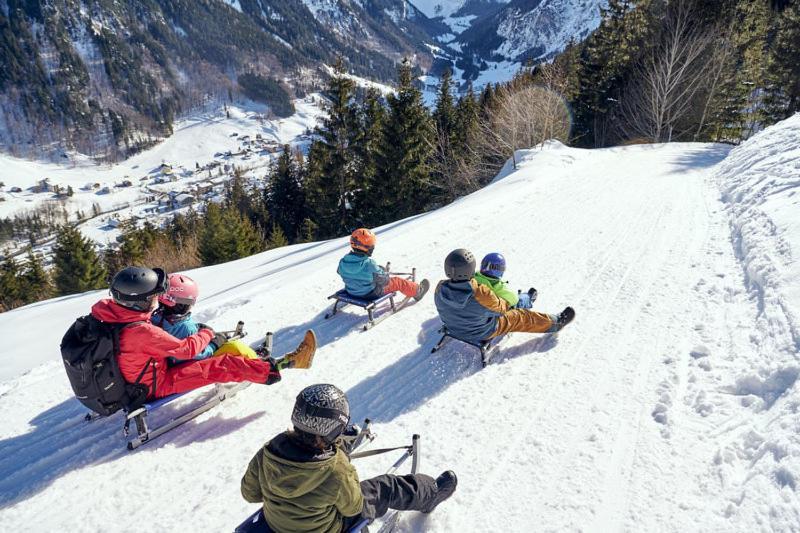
(531, 29)
(546, 29)
(337, 15)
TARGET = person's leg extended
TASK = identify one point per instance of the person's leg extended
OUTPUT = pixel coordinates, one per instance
(405, 286)
(404, 493)
(222, 369)
(524, 320)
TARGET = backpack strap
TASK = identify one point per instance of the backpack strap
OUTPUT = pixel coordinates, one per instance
(117, 330)
(141, 375)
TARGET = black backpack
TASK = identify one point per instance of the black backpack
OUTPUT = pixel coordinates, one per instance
(89, 350)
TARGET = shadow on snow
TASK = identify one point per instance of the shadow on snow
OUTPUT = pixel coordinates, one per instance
(62, 442)
(413, 379)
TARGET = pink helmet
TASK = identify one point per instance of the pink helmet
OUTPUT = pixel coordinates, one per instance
(182, 290)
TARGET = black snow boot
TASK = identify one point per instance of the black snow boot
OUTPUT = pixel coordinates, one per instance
(565, 317)
(424, 285)
(445, 487)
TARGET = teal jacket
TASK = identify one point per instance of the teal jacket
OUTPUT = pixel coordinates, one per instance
(361, 275)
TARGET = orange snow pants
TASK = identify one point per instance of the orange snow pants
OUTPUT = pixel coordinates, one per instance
(405, 286)
(523, 320)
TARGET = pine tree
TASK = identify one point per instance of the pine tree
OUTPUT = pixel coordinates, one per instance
(369, 145)
(750, 38)
(783, 89)
(444, 112)
(466, 122)
(606, 60)
(277, 238)
(11, 288)
(227, 235)
(487, 100)
(331, 174)
(404, 175)
(36, 280)
(308, 231)
(285, 197)
(135, 242)
(77, 268)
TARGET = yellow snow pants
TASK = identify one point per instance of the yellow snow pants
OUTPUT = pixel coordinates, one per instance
(236, 347)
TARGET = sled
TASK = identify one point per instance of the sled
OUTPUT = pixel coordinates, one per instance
(221, 393)
(342, 299)
(256, 523)
(487, 347)
(144, 433)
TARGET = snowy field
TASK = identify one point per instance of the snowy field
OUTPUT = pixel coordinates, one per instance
(670, 404)
(214, 139)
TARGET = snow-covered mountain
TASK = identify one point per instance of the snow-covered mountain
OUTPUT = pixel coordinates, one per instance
(669, 404)
(490, 40)
(531, 29)
(110, 76)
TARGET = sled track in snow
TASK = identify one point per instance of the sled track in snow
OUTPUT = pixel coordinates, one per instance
(562, 365)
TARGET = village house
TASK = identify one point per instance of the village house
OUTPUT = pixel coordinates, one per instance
(43, 185)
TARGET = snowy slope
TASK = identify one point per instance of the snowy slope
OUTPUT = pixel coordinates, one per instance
(663, 407)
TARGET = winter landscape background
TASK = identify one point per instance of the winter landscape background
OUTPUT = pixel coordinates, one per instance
(638, 160)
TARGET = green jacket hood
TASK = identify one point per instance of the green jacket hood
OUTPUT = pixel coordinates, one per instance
(499, 287)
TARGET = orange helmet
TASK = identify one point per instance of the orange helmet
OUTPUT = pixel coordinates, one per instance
(363, 240)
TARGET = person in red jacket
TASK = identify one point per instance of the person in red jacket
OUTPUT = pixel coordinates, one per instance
(144, 347)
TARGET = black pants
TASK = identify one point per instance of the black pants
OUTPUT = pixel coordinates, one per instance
(411, 492)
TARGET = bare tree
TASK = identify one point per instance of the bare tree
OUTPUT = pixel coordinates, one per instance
(459, 173)
(718, 72)
(667, 81)
(523, 119)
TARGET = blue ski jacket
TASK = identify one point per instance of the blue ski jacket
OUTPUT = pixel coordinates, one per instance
(361, 275)
(468, 309)
(181, 329)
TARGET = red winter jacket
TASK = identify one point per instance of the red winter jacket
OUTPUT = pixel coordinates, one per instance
(143, 343)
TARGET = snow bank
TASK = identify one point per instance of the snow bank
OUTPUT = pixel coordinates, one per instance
(760, 182)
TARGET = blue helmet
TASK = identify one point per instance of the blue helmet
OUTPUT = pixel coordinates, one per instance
(494, 265)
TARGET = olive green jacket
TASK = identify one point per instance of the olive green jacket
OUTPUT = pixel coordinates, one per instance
(499, 287)
(312, 494)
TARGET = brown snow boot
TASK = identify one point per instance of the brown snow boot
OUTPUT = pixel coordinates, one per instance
(303, 355)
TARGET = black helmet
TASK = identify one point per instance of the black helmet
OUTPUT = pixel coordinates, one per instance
(322, 410)
(459, 265)
(135, 287)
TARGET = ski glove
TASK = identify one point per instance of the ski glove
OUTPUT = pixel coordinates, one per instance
(524, 302)
(526, 299)
(218, 340)
(200, 326)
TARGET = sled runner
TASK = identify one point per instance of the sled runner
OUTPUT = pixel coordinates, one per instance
(256, 523)
(139, 416)
(486, 348)
(342, 298)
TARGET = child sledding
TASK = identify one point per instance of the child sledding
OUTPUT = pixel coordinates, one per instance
(368, 285)
(304, 480)
(478, 308)
(118, 339)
